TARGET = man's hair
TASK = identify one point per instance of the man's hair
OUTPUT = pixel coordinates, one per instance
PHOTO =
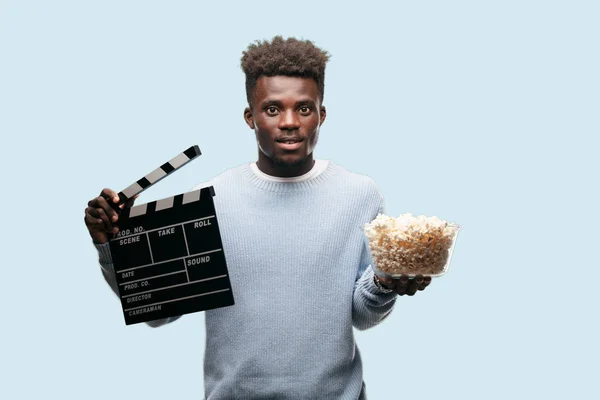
(288, 57)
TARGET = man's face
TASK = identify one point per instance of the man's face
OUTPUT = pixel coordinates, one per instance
(286, 115)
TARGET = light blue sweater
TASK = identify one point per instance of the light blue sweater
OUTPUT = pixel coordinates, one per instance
(301, 280)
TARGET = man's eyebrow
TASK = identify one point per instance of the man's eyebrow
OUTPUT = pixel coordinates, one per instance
(307, 101)
(271, 103)
(278, 102)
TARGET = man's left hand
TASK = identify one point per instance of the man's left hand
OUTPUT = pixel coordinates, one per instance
(405, 285)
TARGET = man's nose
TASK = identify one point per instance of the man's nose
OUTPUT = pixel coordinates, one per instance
(289, 120)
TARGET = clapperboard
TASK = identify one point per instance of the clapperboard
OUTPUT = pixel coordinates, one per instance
(168, 255)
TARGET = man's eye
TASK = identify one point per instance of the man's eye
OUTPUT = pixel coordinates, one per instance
(304, 110)
(271, 110)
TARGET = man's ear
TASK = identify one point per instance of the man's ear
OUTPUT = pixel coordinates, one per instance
(248, 117)
(323, 115)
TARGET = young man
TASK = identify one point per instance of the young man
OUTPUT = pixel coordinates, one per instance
(291, 228)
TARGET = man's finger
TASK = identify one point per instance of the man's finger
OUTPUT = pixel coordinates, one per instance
(110, 194)
(92, 221)
(413, 285)
(100, 214)
(97, 224)
(425, 283)
(402, 285)
(129, 203)
(101, 202)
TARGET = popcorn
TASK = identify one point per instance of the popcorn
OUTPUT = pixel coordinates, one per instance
(410, 245)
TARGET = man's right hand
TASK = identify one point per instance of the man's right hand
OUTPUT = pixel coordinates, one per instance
(101, 218)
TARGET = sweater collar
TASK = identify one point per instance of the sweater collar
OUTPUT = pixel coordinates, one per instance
(318, 174)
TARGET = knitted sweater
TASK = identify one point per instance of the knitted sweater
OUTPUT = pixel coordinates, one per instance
(301, 280)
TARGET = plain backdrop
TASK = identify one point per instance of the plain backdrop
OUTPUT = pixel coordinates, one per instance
(483, 113)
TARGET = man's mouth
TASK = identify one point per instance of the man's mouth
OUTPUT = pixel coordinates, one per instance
(290, 144)
(289, 140)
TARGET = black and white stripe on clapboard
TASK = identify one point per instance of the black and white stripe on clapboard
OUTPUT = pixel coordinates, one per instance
(166, 203)
(159, 173)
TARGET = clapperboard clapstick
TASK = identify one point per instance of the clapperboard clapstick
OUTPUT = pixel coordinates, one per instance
(168, 254)
(158, 174)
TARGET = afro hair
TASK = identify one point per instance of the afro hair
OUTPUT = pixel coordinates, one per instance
(288, 57)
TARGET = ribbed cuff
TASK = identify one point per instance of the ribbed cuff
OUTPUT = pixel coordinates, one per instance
(105, 257)
(371, 287)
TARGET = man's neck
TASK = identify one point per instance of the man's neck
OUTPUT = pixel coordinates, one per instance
(267, 166)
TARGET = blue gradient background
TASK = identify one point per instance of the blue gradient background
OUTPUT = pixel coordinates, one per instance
(482, 113)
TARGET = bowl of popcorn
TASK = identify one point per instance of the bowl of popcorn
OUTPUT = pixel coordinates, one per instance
(409, 245)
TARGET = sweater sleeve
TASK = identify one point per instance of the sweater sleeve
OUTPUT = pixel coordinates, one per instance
(106, 265)
(370, 306)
